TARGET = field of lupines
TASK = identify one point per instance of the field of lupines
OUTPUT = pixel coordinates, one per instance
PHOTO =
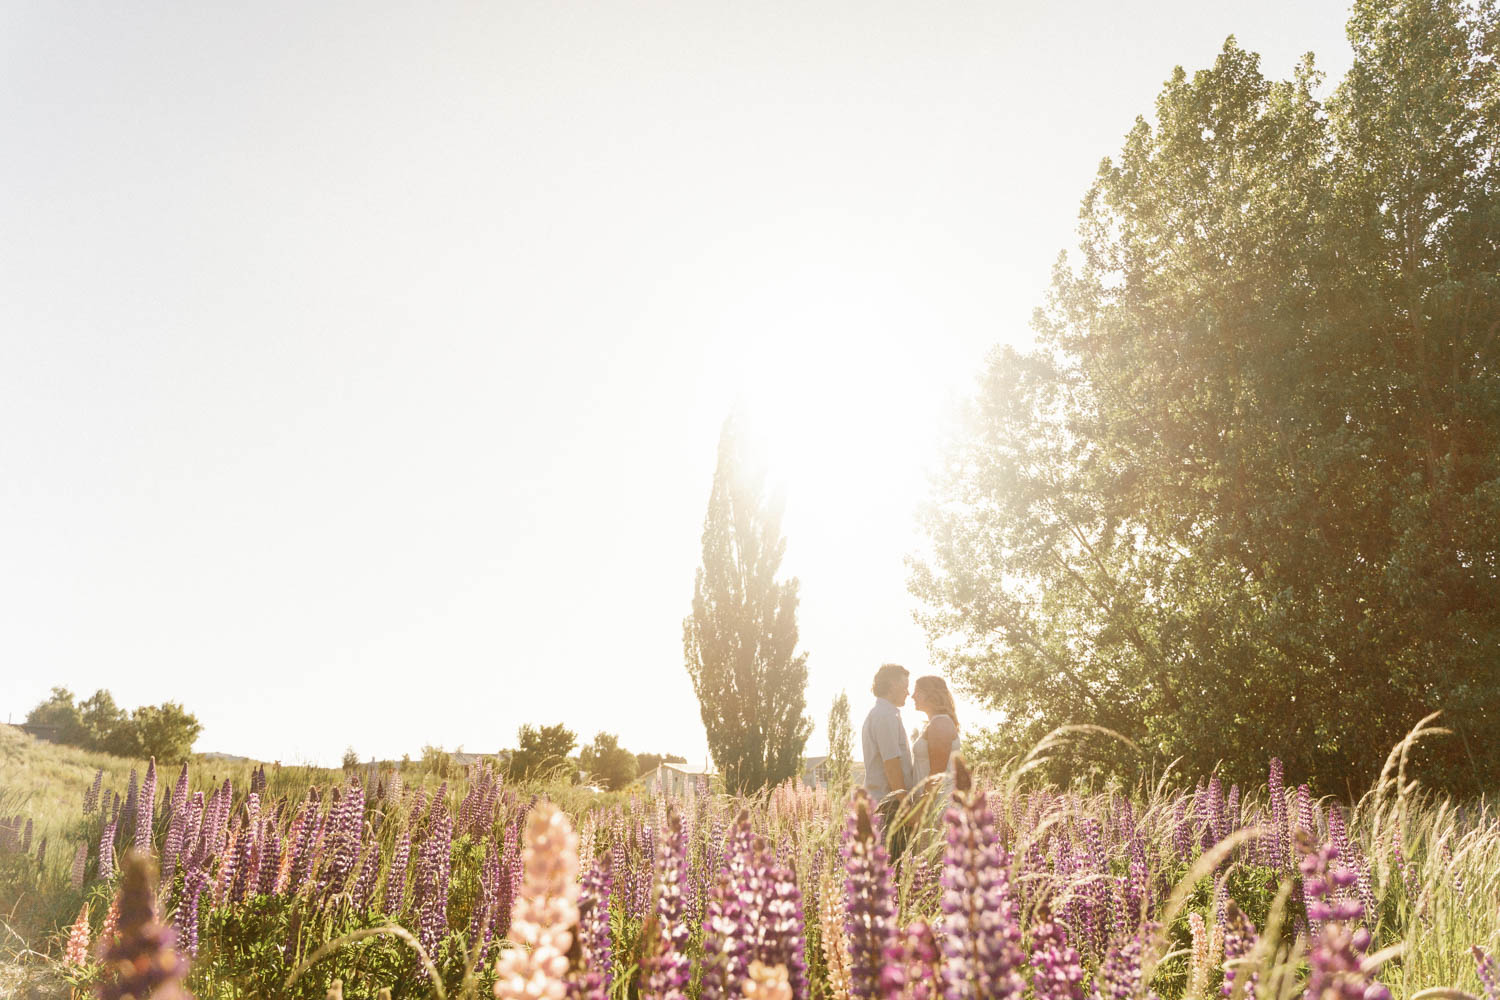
(1004, 889)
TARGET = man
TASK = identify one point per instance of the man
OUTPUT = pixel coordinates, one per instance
(887, 753)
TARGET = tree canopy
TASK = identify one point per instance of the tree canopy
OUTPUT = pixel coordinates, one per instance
(1243, 498)
(164, 731)
(740, 642)
(542, 751)
(610, 764)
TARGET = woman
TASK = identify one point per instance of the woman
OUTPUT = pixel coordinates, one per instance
(933, 751)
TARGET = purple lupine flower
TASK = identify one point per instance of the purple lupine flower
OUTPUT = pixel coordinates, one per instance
(1489, 972)
(665, 971)
(430, 897)
(141, 961)
(777, 917)
(1120, 974)
(145, 810)
(1278, 856)
(364, 883)
(270, 859)
(345, 833)
(132, 796)
(727, 927)
(107, 850)
(91, 797)
(26, 837)
(1336, 969)
(1182, 830)
(912, 961)
(395, 879)
(870, 917)
(1305, 820)
(512, 868)
(1057, 968)
(80, 863)
(1239, 941)
(982, 931)
(185, 919)
(594, 937)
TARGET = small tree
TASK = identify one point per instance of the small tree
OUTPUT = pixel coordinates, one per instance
(610, 764)
(740, 642)
(166, 732)
(60, 714)
(351, 759)
(840, 747)
(101, 717)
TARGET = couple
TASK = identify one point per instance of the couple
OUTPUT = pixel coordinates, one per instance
(890, 764)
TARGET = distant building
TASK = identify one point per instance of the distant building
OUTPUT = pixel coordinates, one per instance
(680, 780)
(815, 772)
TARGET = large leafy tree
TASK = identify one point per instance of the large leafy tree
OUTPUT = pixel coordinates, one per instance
(840, 747)
(740, 642)
(609, 763)
(1243, 499)
(542, 751)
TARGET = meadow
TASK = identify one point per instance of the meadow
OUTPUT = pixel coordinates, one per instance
(294, 882)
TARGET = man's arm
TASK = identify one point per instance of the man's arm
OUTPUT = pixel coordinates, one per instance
(889, 737)
(893, 776)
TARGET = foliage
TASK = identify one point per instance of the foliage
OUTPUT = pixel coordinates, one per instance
(740, 642)
(166, 731)
(542, 750)
(840, 748)
(1244, 497)
(610, 764)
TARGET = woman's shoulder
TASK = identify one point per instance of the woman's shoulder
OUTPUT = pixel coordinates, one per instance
(942, 723)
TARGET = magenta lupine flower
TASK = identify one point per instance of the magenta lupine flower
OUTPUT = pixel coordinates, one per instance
(91, 797)
(1057, 968)
(870, 917)
(185, 919)
(1335, 958)
(364, 883)
(594, 931)
(911, 970)
(1239, 941)
(665, 971)
(482, 920)
(981, 921)
(1278, 856)
(1489, 972)
(1120, 974)
(395, 879)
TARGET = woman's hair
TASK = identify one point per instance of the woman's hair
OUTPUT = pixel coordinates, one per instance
(935, 689)
(885, 677)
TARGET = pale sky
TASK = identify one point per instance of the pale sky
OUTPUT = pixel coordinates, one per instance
(362, 365)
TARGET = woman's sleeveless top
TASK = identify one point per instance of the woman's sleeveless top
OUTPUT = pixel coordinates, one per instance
(921, 764)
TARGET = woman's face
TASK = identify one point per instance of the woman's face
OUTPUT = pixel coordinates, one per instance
(921, 701)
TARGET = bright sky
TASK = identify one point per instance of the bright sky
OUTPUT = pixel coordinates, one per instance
(362, 365)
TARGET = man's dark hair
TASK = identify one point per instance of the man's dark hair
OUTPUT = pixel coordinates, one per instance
(886, 676)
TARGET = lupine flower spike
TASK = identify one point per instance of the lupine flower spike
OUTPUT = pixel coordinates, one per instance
(869, 920)
(545, 912)
(982, 931)
(1336, 958)
(141, 962)
(77, 951)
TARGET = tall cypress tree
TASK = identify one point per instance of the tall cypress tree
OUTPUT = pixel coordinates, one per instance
(740, 642)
